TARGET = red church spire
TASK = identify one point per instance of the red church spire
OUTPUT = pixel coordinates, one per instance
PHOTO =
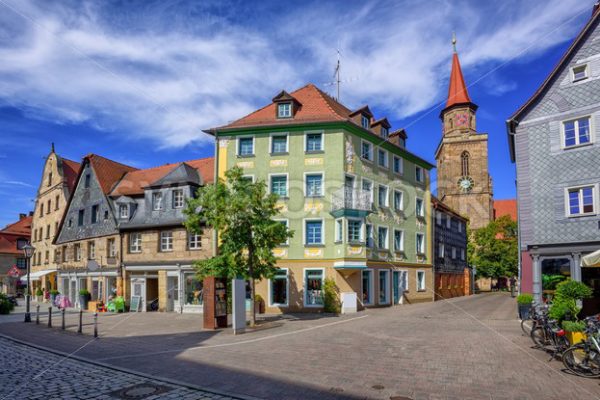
(457, 91)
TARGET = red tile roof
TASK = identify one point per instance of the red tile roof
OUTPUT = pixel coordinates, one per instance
(70, 172)
(12, 233)
(134, 182)
(21, 227)
(457, 90)
(505, 207)
(108, 172)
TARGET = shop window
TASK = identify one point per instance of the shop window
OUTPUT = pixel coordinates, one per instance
(384, 295)
(279, 288)
(367, 290)
(313, 287)
(554, 271)
(193, 290)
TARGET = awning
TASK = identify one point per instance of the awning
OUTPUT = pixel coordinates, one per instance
(35, 276)
(591, 260)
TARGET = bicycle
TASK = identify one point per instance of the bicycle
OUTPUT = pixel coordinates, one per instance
(550, 337)
(583, 359)
(538, 312)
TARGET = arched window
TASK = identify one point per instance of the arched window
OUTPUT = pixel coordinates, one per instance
(464, 159)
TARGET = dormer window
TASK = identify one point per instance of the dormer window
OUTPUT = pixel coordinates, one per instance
(385, 132)
(364, 121)
(157, 201)
(580, 72)
(284, 110)
(123, 211)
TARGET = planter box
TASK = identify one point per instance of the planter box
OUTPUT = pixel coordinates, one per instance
(575, 337)
(524, 311)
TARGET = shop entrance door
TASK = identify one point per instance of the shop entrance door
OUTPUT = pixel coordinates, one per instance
(138, 288)
(399, 283)
(172, 292)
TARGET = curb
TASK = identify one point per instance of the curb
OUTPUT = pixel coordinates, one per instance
(129, 371)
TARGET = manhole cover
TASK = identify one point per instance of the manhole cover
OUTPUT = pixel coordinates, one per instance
(140, 391)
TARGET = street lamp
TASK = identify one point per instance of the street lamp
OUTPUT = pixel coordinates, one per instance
(28, 249)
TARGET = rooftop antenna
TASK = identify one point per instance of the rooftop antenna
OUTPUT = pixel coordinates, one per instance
(336, 75)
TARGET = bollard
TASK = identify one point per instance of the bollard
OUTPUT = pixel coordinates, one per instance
(95, 324)
(63, 319)
(37, 314)
(80, 329)
(50, 317)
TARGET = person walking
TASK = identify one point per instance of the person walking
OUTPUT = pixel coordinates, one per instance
(513, 286)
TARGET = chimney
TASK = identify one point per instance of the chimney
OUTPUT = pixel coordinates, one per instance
(21, 216)
(31, 213)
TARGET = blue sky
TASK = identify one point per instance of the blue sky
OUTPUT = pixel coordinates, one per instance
(138, 81)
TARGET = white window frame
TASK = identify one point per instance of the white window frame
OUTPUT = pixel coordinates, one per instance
(287, 142)
(372, 187)
(287, 224)
(174, 198)
(287, 290)
(386, 288)
(387, 195)
(424, 289)
(371, 151)
(401, 208)
(91, 250)
(197, 243)
(453, 253)
(237, 145)
(322, 183)
(448, 221)
(305, 289)
(460, 226)
(438, 218)
(417, 242)
(304, 221)
(422, 214)
(289, 111)
(401, 249)
(365, 121)
(76, 251)
(135, 246)
(157, 206)
(596, 201)
(385, 132)
(371, 300)
(586, 68)
(563, 136)
(462, 254)
(111, 247)
(441, 250)
(386, 158)
(387, 237)
(339, 230)
(401, 163)
(169, 242)
(123, 207)
(287, 183)
(361, 234)
(251, 176)
(417, 168)
(306, 133)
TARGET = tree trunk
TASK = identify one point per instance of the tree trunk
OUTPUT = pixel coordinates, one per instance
(253, 308)
(251, 275)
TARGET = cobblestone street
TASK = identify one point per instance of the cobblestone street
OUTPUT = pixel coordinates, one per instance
(465, 348)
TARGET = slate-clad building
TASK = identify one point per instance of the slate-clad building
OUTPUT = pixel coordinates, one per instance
(554, 140)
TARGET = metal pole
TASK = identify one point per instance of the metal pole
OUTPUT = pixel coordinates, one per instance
(95, 324)
(27, 310)
(50, 317)
(37, 314)
(63, 319)
(80, 329)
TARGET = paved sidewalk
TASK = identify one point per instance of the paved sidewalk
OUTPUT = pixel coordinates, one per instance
(465, 348)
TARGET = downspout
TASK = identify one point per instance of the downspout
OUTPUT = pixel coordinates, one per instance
(215, 236)
(511, 124)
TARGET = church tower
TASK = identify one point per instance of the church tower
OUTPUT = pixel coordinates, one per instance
(464, 183)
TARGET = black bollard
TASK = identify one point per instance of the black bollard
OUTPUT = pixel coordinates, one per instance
(80, 329)
(50, 317)
(95, 324)
(63, 319)
(37, 314)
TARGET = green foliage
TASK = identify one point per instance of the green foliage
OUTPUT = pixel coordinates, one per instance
(564, 304)
(573, 290)
(331, 298)
(5, 305)
(493, 250)
(258, 298)
(549, 281)
(39, 292)
(573, 326)
(84, 292)
(562, 309)
(525, 299)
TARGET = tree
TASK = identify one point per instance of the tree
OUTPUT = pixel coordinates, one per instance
(493, 250)
(242, 213)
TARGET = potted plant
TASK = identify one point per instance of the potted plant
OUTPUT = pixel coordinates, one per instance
(39, 295)
(84, 298)
(574, 331)
(564, 307)
(524, 301)
(6, 306)
(53, 294)
(259, 304)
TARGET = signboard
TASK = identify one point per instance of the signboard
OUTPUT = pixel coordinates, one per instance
(134, 305)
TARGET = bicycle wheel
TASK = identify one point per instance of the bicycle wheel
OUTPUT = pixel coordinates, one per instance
(526, 326)
(539, 337)
(581, 362)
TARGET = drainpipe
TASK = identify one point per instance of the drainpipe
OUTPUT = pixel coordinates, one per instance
(215, 236)
(511, 124)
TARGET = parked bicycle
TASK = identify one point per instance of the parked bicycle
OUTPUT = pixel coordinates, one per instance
(538, 313)
(549, 336)
(583, 358)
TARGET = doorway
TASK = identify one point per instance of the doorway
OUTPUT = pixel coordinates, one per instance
(399, 283)
(138, 288)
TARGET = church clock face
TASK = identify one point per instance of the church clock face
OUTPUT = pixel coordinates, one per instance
(465, 183)
(461, 119)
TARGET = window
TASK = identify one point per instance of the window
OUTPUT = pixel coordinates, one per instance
(384, 288)
(462, 254)
(580, 72)
(279, 185)
(64, 254)
(157, 201)
(194, 241)
(464, 162)
(56, 202)
(419, 175)
(111, 247)
(382, 196)
(87, 181)
(47, 231)
(398, 200)
(47, 258)
(178, 198)
(420, 281)
(314, 232)
(460, 226)
(70, 223)
(284, 110)
(193, 289)
(278, 295)
(454, 253)
(365, 122)
(382, 158)
(21, 263)
(354, 230)
(49, 207)
(77, 249)
(398, 165)
(441, 250)
(438, 218)
(314, 185)
(448, 221)
(56, 228)
(339, 230)
(246, 146)
(366, 151)
(419, 208)
(91, 250)
(576, 132)
(382, 237)
(398, 240)
(123, 211)
(367, 186)
(581, 201)
(41, 209)
(80, 217)
(420, 243)
(95, 214)
(279, 144)
(314, 142)
(385, 132)
(313, 287)
(50, 179)
(367, 290)
(369, 234)
(166, 241)
(135, 242)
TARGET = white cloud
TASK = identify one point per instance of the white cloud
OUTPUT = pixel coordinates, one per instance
(74, 64)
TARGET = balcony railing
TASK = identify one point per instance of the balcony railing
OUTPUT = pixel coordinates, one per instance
(351, 200)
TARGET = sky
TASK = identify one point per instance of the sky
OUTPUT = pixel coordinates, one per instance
(138, 81)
